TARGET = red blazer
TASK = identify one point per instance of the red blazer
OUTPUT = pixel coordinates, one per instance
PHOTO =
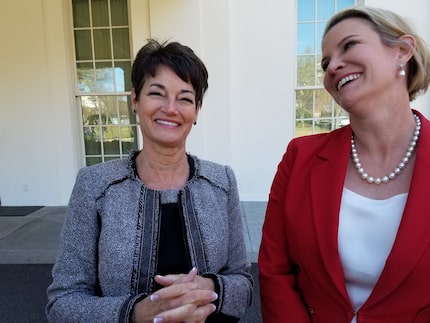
(300, 271)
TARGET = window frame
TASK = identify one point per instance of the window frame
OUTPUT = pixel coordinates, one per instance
(116, 93)
(318, 114)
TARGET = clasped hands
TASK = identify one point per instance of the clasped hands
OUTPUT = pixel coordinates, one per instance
(184, 298)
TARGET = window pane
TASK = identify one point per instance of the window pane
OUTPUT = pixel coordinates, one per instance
(305, 10)
(93, 160)
(128, 139)
(86, 77)
(341, 4)
(124, 110)
(83, 47)
(305, 38)
(121, 43)
(306, 70)
(323, 104)
(123, 75)
(320, 30)
(119, 79)
(81, 13)
(104, 77)
(108, 109)
(92, 141)
(102, 48)
(106, 158)
(111, 140)
(342, 122)
(129, 146)
(100, 13)
(304, 104)
(322, 125)
(339, 112)
(325, 9)
(119, 12)
(319, 79)
(303, 128)
(90, 111)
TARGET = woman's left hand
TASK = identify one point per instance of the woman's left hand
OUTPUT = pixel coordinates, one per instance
(202, 282)
(193, 300)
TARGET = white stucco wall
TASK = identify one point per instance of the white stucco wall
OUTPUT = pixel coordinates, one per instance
(262, 75)
(37, 128)
(247, 116)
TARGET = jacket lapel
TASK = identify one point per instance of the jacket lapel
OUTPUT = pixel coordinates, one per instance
(413, 236)
(327, 181)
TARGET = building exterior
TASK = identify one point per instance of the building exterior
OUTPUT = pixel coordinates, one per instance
(248, 114)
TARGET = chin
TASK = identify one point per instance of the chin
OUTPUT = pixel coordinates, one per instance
(345, 103)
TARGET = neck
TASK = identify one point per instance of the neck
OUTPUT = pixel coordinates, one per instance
(395, 170)
(392, 130)
(163, 170)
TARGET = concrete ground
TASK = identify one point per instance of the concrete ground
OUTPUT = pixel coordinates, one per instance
(33, 239)
(28, 248)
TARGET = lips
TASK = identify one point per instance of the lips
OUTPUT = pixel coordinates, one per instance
(347, 79)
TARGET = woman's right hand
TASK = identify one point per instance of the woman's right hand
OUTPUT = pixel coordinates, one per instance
(183, 299)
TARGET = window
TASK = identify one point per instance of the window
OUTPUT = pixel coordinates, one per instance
(103, 78)
(316, 111)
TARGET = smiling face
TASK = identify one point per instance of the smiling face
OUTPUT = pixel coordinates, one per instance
(167, 109)
(356, 63)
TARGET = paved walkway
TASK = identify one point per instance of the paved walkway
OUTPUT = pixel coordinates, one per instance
(33, 239)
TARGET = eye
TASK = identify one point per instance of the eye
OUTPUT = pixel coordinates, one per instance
(186, 97)
(348, 45)
(324, 65)
(154, 93)
(188, 100)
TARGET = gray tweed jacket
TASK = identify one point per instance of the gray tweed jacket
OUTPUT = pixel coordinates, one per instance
(107, 255)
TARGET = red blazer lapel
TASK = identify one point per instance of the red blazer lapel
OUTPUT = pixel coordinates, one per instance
(413, 237)
(327, 181)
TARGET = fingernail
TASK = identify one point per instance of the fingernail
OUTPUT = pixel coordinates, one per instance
(193, 269)
(214, 296)
(213, 308)
(158, 319)
(153, 298)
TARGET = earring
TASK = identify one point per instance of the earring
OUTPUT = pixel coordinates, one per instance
(402, 71)
(195, 122)
(134, 111)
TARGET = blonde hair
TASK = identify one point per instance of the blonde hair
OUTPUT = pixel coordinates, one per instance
(390, 27)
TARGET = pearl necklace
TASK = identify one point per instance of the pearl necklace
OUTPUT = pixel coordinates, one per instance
(398, 169)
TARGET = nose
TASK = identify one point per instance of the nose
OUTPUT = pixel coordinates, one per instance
(169, 106)
(334, 65)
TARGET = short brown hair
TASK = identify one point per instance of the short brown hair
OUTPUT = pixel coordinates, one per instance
(180, 58)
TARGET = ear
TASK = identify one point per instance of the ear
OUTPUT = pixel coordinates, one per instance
(406, 48)
(133, 96)
(133, 100)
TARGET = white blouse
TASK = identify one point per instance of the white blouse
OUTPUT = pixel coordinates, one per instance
(367, 230)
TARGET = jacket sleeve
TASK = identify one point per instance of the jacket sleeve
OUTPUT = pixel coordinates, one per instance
(280, 301)
(235, 280)
(74, 295)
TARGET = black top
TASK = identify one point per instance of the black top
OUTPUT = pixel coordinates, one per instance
(173, 253)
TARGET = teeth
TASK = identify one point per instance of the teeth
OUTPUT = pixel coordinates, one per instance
(167, 123)
(347, 79)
